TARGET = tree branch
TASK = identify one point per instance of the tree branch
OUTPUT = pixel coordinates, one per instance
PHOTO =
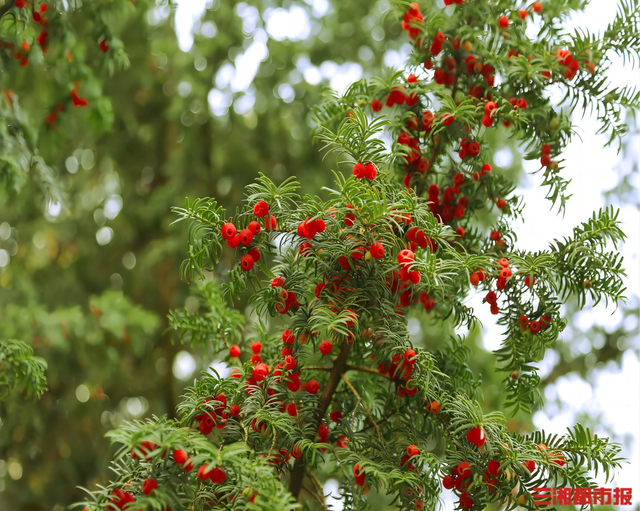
(355, 393)
(339, 368)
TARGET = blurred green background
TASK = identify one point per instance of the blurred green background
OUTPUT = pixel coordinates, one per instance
(88, 281)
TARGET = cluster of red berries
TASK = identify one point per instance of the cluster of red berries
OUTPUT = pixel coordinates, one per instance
(39, 17)
(451, 206)
(359, 475)
(534, 326)
(460, 479)
(400, 369)
(545, 159)
(468, 148)
(245, 236)
(215, 416)
(309, 228)
(360, 170)
(412, 19)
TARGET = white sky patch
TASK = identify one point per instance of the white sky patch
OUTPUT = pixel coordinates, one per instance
(219, 101)
(221, 368)
(187, 13)
(319, 8)
(292, 24)
(183, 365)
(247, 64)
(250, 17)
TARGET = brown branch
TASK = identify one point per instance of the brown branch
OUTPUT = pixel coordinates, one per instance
(350, 368)
(369, 370)
(339, 367)
(355, 393)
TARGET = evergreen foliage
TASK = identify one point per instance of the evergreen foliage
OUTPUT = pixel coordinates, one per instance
(334, 387)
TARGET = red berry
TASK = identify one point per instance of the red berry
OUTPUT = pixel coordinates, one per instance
(409, 356)
(255, 253)
(234, 242)
(180, 456)
(530, 466)
(376, 105)
(203, 473)
(503, 22)
(261, 209)
(313, 386)
(43, 8)
(477, 436)
(260, 372)
(270, 223)
(336, 415)
(290, 363)
(494, 468)
(464, 469)
(234, 410)
(256, 348)
(218, 476)
(297, 451)
(254, 227)
(104, 47)
(149, 485)
(412, 451)
(288, 337)
(19, 3)
(325, 347)
(246, 237)
(234, 351)
(358, 170)
(370, 171)
(466, 501)
(447, 119)
(292, 410)
(537, 6)
(501, 204)
(534, 327)
(405, 257)
(323, 431)
(448, 482)
(377, 250)
(524, 320)
(228, 231)
(246, 262)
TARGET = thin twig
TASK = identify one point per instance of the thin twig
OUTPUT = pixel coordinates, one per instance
(355, 393)
(313, 494)
(275, 434)
(319, 488)
(246, 433)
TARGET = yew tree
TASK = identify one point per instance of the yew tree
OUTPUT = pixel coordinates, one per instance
(325, 381)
